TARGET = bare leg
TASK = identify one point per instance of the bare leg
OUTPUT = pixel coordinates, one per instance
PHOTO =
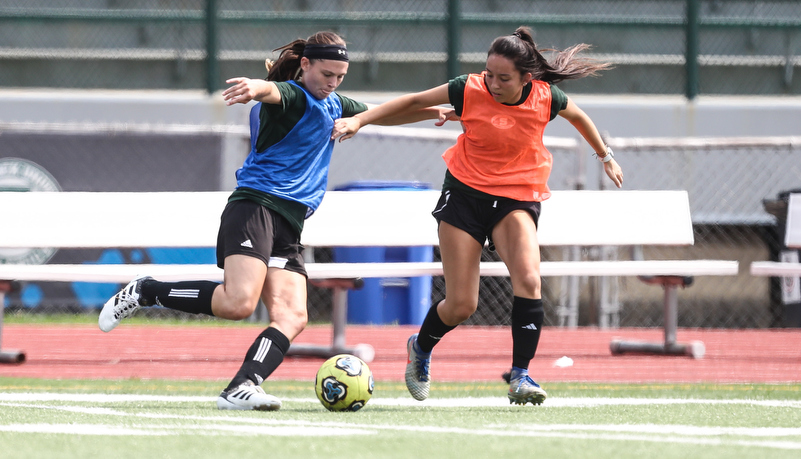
(461, 255)
(284, 295)
(244, 279)
(516, 240)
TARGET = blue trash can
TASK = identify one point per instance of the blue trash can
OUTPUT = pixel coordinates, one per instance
(398, 300)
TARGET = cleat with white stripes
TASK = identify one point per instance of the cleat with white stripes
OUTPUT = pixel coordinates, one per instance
(122, 305)
(247, 396)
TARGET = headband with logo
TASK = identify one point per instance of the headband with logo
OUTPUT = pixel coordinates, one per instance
(331, 52)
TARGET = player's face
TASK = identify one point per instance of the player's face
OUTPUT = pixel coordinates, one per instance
(504, 81)
(322, 76)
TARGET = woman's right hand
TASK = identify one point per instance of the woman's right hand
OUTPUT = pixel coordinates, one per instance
(243, 90)
(445, 115)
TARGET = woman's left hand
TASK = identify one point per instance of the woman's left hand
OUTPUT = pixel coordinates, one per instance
(613, 170)
(345, 128)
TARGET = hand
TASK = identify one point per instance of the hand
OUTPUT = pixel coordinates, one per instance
(445, 115)
(243, 90)
(345, 128)
(613, 170)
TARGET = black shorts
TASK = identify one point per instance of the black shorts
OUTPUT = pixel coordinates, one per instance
(248, 228)
(477, 216)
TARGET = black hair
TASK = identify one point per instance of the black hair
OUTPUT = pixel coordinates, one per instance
(565, 65)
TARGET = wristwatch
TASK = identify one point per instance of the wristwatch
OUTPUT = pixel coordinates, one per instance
(608, 157)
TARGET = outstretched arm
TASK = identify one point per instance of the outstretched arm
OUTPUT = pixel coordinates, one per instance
(587, 129)
(441, 114)
(404, 109)
(243, 90)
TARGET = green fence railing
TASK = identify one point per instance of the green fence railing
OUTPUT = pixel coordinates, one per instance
(680, 39)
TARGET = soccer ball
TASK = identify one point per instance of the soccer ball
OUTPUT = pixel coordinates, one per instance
(344, 383)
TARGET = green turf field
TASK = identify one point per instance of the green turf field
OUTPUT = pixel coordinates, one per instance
(168, 419)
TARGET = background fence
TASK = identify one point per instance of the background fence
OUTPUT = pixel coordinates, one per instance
(674, 47)
(727, 180)
(658, 47)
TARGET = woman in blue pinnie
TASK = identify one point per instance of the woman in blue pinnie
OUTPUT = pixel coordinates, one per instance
(281, 183)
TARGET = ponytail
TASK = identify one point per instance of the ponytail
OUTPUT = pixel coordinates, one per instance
(287, 66)
(565, 65)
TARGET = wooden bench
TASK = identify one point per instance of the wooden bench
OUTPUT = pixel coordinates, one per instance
(350, 219)
(789, 266)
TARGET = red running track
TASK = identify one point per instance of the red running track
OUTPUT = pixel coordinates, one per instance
(466, 354)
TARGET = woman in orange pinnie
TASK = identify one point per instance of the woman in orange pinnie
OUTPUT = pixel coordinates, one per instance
(497, 178)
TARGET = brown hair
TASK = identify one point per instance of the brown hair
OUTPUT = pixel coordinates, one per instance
(522, 51)
(287, 67)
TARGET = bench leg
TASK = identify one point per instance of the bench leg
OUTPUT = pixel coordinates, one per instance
(693, 349)
(339, 319)
(569, 294)
(7, 356)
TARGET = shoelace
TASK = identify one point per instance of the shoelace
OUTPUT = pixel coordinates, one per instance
(250, 389)
(526, 380)
(129, 305)
(422, 368)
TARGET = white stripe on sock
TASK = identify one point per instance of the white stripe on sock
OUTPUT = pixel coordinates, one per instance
(184, 292)
(264, 348)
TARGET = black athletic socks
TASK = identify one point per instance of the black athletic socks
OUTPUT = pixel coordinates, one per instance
(263, 357)
(432, 330)
(187, 296)
(527, 318)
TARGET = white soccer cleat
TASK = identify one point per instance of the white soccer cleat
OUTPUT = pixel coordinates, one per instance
(122, 305)
(418, 374)
(247, 396)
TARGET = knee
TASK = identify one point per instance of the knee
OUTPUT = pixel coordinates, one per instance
(236, 308)
(241, 310)
(528, 285)
(457, 310)
(291, 321)
(301, 319)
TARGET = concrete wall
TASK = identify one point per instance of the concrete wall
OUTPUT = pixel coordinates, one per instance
(621, 116)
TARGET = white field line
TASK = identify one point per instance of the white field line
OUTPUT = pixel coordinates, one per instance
(553, 402)
(617, 428)
(248, 426)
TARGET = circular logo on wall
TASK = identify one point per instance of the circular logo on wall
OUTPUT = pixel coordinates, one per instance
(21, 175)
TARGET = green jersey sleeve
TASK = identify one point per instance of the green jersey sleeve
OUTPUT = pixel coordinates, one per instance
(276, 120)
(558, 101)
(456, 95)
(351, 107)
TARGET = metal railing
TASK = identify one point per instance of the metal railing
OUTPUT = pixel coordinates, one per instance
(451, 17)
